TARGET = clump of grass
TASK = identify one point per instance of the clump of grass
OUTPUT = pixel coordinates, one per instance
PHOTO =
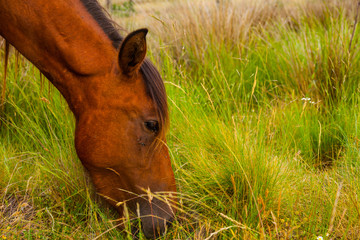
(262, 154)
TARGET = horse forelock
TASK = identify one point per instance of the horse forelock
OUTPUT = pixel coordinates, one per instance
(153, 81)
(156, 90)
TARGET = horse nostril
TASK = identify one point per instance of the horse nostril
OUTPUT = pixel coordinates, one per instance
(169, 222)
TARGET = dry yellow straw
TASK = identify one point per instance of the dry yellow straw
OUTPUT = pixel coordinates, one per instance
(3, 92)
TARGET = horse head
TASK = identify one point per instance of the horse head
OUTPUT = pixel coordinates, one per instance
(120, 136)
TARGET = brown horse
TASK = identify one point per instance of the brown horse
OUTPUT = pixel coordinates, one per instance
(117, 96)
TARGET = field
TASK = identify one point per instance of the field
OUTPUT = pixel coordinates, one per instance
(265, 126)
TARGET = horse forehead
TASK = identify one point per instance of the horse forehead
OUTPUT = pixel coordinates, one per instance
(129, 96)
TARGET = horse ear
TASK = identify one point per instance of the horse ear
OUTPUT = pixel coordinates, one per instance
(133, 51)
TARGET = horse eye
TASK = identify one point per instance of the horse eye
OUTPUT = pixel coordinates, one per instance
(152, 126)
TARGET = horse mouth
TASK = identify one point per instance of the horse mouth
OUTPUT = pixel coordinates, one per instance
(156, 229)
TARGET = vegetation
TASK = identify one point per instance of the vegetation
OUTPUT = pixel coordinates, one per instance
(264, 137)
(125, 9)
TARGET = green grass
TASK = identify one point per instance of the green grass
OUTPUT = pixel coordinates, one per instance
(264, 137)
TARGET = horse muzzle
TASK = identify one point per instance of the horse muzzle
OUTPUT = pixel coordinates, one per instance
(155, 215)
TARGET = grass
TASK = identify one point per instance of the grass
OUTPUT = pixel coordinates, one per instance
(264, 139)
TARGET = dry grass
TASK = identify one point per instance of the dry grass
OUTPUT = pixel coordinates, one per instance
(199, 23)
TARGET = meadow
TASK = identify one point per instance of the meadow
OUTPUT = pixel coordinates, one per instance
(264, 135)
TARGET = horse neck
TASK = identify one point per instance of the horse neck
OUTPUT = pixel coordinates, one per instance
(60, 38)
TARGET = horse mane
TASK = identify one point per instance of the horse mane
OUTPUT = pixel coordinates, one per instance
(110, 28)
(153, 81)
